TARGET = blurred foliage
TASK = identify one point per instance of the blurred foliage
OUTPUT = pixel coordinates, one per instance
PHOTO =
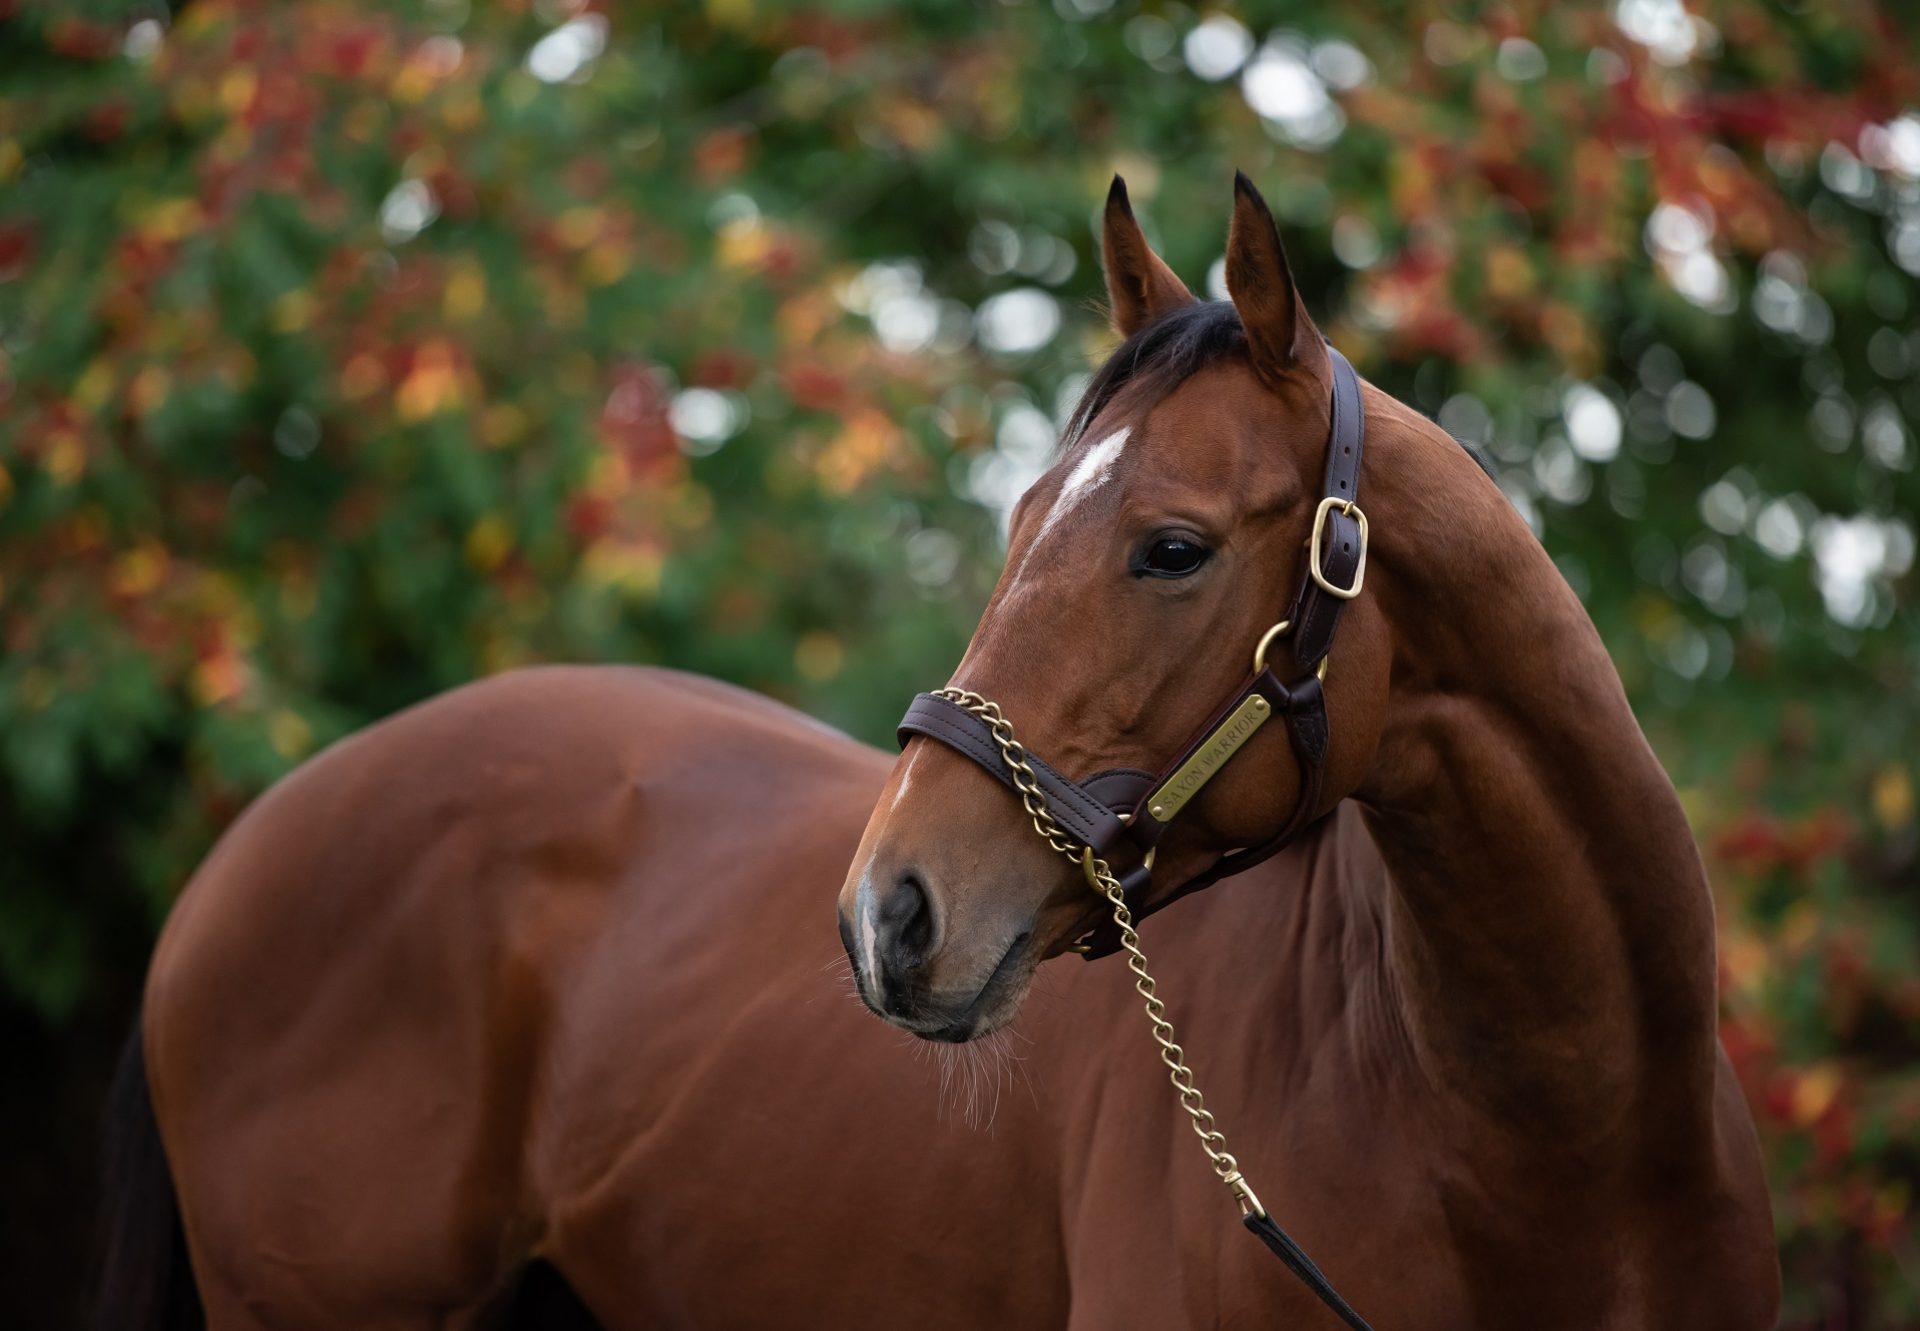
(350, 352)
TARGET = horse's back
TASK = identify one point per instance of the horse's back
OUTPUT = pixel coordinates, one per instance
(376, 984)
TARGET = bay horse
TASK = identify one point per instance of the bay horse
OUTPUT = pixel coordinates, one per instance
(519, 1008)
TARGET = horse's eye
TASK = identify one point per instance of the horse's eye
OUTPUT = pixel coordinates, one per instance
(1173, 557)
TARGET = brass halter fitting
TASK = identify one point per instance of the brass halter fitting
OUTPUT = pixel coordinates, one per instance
(1352, 510)
(1281, 630)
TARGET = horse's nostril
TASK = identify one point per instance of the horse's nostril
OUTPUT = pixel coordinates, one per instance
(906, 922)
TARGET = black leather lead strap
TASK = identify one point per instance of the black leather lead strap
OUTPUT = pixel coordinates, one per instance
(1301, 1265)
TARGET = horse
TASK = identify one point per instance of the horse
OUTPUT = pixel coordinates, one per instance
(521, 1008)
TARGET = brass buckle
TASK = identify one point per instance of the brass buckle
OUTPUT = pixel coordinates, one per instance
(1281, 630)
(1352, 510)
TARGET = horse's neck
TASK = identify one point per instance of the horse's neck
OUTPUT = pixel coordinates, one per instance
(1551, 928)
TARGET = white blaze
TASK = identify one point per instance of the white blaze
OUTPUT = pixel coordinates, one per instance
(906, 779)
(1093, 470)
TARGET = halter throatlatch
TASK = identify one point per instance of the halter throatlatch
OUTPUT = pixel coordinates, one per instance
(1088, 820)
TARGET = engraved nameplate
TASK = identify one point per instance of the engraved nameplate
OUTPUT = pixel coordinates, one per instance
(1221, 745)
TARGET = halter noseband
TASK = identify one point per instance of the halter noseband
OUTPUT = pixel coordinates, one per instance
(1130, 806)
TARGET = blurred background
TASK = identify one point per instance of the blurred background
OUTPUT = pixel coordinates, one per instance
(350, 351)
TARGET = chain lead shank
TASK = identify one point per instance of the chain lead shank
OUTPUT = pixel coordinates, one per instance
(1100, 877)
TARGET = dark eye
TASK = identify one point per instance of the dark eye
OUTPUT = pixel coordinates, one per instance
(1172, 557)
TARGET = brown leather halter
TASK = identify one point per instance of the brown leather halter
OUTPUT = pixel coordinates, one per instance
(1130, 806)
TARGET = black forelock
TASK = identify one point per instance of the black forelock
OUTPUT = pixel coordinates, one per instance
(1171, 350)
(1163, 355)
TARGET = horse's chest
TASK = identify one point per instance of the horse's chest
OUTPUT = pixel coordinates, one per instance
(1334, 1166)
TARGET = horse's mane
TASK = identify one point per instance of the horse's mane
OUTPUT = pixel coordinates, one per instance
(1170, 350)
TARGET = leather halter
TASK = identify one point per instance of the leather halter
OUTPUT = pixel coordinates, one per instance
(1128, 806)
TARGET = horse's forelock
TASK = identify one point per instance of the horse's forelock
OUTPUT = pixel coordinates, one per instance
(1160, 357)
(1169, 351)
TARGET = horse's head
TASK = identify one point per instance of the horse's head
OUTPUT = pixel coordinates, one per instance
(1142, 570)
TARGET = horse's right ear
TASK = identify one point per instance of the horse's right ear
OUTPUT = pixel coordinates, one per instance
(1280, 334)
(1140, 287)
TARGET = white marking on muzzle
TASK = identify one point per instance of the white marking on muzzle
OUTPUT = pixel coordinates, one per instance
(863, 903)
(869, 933)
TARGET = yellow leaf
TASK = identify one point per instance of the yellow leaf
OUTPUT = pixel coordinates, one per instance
(730, 13)
(1745, 958)
(139, 570)
(66, 458)
(148, 390)
(608, 476)
(219, 678)
(578, 227)
(501, 424)
(431, 386)
(298, 595)
(865, 442)
(1800, 925)
(94, 386)
(692, 508)
(1654, 616)
(289, 733)
(414, 81)
(462, 111)
(488, 542)
(466, 293)
(608, 262)
(1509, 275)
(744, 243)
(1142, 174)
(170, 219)
(634, 569)
(293, 311)
(362, 376)
(237, 89)
(819, 656)
(36, 688)
(1893, 797)
(1814, 1092)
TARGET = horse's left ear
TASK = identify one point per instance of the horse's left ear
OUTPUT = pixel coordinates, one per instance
(1280, 333)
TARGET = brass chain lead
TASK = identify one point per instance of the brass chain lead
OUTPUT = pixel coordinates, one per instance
(1101, 877)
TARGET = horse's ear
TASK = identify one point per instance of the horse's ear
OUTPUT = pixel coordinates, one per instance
(1280, 333)
(1140, 287)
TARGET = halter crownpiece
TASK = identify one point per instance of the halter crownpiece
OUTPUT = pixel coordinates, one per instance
(1084, 820)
